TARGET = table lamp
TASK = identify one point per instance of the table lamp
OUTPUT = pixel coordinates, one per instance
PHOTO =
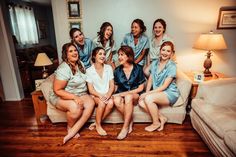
(210, 42)
(43, 60)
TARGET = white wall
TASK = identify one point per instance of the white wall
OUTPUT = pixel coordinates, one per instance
(186, 19)
(8, 65)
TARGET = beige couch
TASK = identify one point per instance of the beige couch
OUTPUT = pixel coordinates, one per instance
(174, 114)
(213, 115)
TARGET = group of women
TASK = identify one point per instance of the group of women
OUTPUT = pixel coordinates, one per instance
(89, 76)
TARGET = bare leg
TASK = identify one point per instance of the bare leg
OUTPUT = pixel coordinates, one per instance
(151, 100)
(163, 120)
(99, 113)
(107, 111)
(88, 109)
(128, 111)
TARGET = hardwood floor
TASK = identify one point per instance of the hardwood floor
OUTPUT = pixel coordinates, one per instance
(21, 136)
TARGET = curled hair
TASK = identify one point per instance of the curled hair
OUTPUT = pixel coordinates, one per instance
(163, 23)
(65, 49)
(101, 34)
(128, 52)
(168, 43)
(72, 31)
(141, 24)
(95, 52)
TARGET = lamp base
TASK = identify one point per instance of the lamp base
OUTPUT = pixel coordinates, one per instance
(207, 74)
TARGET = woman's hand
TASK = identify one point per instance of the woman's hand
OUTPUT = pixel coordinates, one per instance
(78, 100)
(142, 96)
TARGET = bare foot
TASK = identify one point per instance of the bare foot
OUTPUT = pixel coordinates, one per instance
(163, 121)
(123, 133)
(92, 126)
(152, 127)
(67, 137)
(77, 135)
(101, 131)
(131, 126)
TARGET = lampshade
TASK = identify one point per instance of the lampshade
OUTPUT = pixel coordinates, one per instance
(42, 60)
(210, 41)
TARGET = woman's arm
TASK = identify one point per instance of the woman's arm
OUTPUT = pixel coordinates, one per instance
(141, 56)
(59, 89)
(111, 88)
(166, 83)
(93, 91)
(149, 83)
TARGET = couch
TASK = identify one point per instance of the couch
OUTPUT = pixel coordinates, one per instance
(213, 115)
(175, 114)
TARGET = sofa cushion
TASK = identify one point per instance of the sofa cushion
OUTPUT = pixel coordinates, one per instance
(213, 91)
(230, 140)
(219, 118)
(47, 86)
(184, 85)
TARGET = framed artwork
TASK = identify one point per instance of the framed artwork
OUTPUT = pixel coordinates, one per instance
(227, 18)
(38, 84)
(42, 29)
(74, 9)
(75, 24)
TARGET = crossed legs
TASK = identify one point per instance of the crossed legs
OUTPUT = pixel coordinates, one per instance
(86, 113)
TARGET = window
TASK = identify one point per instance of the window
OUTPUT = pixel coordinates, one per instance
(23, 24)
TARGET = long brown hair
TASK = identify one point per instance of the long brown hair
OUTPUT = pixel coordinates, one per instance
(65, 48)
(101, 33)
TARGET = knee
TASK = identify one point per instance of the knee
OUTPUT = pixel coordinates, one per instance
(141, 104)
(75, 112)
(117, 100)
(148, 99)
(129, 97)
(101, 105)
(110, 104)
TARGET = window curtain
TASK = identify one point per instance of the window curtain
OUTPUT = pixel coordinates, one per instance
(23, 24)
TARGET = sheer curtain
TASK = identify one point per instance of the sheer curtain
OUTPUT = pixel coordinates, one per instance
(23, 24)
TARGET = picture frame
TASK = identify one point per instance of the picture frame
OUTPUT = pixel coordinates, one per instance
(74, 9)
(42, 29)
(75, 24)
(38, 84)
(198, 77)
(227, 18)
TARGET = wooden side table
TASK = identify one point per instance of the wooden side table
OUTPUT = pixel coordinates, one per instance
(215, 75)
(193, 92)
(40, 106)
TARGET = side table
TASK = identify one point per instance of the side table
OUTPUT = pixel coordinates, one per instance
(193, 92)
(40, 106)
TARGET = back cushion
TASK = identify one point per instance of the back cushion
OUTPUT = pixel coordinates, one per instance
(218, 92)
(47, 86)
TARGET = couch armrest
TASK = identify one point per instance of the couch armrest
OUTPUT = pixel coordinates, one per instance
(218, 92)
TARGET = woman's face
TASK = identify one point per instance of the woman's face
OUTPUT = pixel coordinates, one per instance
(166, 53)
(135, 29)
(122, 57)
(158, 29)
(72, 54)
(108, 32)
(100, 56)
(78, 37)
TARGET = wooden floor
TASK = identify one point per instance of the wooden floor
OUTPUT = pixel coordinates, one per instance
(21, 136)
